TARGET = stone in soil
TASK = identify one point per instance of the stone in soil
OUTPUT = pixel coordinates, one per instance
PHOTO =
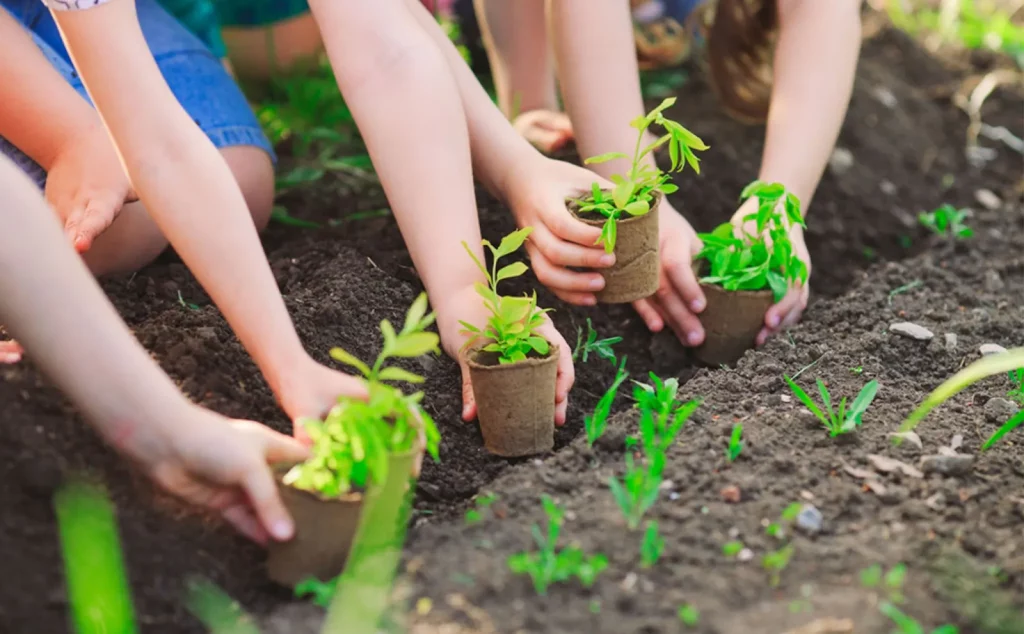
(911, 331)
(987, 349)
(810, 519)
(948, 465)
(999, 410)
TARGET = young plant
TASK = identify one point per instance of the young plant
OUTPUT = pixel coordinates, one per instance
(635, 191)
(732, 452)
(320, 592)
(652, 546)
(352, 444)
(946, 221)
(787, 519)
(731, 549)
(548, 565)
(512, 326)
(843, 420)
(601, 348)
(662, 414)
(688, 615)
(891, 581)
(763, 259)
(908, 625)
(1017, 380)
(596, 423)
(640, 485)
(475, 515)
(775, 562)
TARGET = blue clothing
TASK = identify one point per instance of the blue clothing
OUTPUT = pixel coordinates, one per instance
(196, 77)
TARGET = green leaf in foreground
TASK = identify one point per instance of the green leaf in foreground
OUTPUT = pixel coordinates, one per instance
(596, 423)
(217, 611)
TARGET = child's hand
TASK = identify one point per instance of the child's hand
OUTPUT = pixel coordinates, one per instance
(536, 193)
(87, 186)
(310, 390)
(466, 305)
(10, 352)
(788, 311)
(546, 130)
(210, 461)
(679, 298)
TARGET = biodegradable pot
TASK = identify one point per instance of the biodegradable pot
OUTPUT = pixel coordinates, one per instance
(515, 402)
(635, 272)
(325, 528)
(731, 322)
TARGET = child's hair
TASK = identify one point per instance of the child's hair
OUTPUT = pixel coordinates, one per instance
(740, 48)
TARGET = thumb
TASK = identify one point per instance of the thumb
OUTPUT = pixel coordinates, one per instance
(468, 400)
(260, 488)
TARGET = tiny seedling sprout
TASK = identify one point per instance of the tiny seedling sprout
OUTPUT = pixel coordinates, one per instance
(788, 517)
(1017, 381)
(320, 592)
(776, 561)
(732, 452)
(602, 348)
(484, 501)
(688, 615)
(731, 549)
(635, 192)
(906, 624)
(763, 259)
(595, 423)
(946, 221)
(549, 565)
(512, 326)
(652, 546)
(842, 420)
(639, 488)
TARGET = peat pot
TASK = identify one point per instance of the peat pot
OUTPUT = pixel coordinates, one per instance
(731, 322)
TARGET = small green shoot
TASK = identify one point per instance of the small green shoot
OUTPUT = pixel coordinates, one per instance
(548, 565)
(908, 625)
(639, 488)
(652, 546)
(320, 592)
(733, 548)
(689, 615)
(946, 221)
(635, 192)
(484, 501)
(871, 577)
(216, 610)
(763, 259)
(601, 348)
(595, 423)
(732, 452)
(281, 215)
(1016, 392)
(841, 420)
(775, 563)
(857, 371)
(899, 290)
(512, 326)
(1010, 425)
(187, 305)
(786, 520)
(662, 414)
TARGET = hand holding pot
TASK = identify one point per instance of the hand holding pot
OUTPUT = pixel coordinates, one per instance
(311, 389)
(536, 193)
(466, 305)
(788, 311)
(679, 298)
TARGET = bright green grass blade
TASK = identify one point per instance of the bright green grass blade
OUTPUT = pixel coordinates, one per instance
(806, 400)
(97, 583)
(217, 611)
(1007, 427)
(980, 369)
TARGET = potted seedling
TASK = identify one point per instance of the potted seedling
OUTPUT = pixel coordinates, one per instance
(514, 370)
(358, 445)
(742, 273)
(628, 214)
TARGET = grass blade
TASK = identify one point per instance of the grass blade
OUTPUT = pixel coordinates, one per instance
(217, 611)
(806, 400)
(863, 400)
(1007, 427)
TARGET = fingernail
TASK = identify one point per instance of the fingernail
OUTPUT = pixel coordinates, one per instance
(596, 284)
(281, 530)
(589, 300)
(773, 321)
(697, 305)
(694, 338)
(607, 259)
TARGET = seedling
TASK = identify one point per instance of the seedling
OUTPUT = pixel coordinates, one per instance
(601, 348)
(843, 420)
(652, 546)
(512, 326)
(596, 423)
(184, 304)
(788, 517)
(689, 615)
(1014, 422)
(351, 445)
(763, 259)
(946, 221)
(776, 562)
(635, 191)
(320, 592)
(639, 488)
(859, 370)
(662, 414)
(731, 549)
(475, 515)
(908, 625)
(548, 565)
(732, 452)
(891, 581)
(1017, 380)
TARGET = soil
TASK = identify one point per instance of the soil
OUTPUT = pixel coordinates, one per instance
(960, 536)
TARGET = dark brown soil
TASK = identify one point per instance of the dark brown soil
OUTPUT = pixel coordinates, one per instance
(340, 282)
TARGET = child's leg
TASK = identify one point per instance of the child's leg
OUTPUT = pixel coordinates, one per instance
(267, 37)
(205, 90)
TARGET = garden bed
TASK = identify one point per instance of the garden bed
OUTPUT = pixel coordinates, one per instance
(907, 145)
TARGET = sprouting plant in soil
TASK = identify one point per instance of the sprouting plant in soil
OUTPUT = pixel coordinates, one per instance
(735, 447)
(688, 615)
(841, 420)
(483, 502)
(946, 221)
(775, 562)
(891, 581)
(512, 326)
(635, 191)
(601, 348)
(638, 490)
(1017, 381)
(652, 545)
(731, 549)
(662, 414)
(983, 368)
(764, 258)
(319, 592)
(351, 445)
(786, 520)
(595, 424)
(906, 624)
(548, 565)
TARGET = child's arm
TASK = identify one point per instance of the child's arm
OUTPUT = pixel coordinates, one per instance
(52, 305)
(815, 66)
(406, 101)
(189, 190)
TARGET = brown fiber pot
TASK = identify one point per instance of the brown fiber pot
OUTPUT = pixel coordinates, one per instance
(515, 402)
(635, 272)
(324, 528)
(731, 322)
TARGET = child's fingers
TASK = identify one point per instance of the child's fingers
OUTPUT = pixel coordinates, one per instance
(560, 278)
(261, 490)
(278, 448)
(245, 522)
(648, 311)
(685, 324)
(562, 253)
(576, 299)
(468, 400)
(682, 278)
(565, 226)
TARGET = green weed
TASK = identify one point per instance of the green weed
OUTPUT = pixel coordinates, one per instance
(731, 549)
(732, 452)
(595, 424)
(946, 221)
(1017, 381)
(688, 615)
(652, 546)
(841, 420)
(592, 345)
(908, 625)
(484, 501)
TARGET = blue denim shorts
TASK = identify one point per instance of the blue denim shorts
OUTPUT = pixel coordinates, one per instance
(196, 77)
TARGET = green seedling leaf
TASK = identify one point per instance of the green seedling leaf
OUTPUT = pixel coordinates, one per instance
(342, 356)
(688, 615)
(602, 348)
(732, 452)
(320, 592)
(398, 374)
(731, 549)
(604, 158)
(652, 546)
(871, 577)
(281, 216)
(596, 423)
(843, 420)
(947, 221)
(1010, 425)
(217, 611)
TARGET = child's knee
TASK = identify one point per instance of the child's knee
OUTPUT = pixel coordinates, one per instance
(254, 173)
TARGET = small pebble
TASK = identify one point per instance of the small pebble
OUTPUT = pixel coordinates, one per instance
(999, 410)
(888, 188)
(911, 331)
(745, 555)
(885, 96)
(951, 341)
(841, 161)
(987, 199)
(947, 465)
(810, 519)
(991, 348)
(993, 282)
(731, 494)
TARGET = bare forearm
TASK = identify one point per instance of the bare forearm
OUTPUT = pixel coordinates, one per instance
(517, 47)
(405, 100)
(39, 111)
(815, 64)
